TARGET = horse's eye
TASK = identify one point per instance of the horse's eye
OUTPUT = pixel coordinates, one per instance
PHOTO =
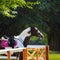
(29, 31)
(36, 30)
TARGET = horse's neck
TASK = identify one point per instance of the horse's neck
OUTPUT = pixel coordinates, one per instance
(23, 35)
(27, 39)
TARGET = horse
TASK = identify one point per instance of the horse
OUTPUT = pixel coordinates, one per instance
(23, 39)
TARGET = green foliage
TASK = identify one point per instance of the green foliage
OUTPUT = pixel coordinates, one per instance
(8, 7)
(44, 14)
(45, 39)
(37, 41)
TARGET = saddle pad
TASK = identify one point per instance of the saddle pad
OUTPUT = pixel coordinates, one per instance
(4, 43)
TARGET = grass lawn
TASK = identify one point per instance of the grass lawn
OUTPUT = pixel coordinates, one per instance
(54, 56)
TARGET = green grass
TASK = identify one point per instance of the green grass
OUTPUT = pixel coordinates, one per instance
(54, 56)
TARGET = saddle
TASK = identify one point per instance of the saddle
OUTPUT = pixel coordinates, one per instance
(8, 42)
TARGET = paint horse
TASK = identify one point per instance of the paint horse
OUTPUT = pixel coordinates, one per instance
(22, 39)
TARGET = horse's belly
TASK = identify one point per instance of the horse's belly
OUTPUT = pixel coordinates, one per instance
(19, 44)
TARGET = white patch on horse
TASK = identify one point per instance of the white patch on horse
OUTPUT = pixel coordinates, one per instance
(36, 28)
(39, 32)
(20, 38)
(25, 33)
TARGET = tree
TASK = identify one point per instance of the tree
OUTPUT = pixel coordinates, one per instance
(45, 16)
(50, 12)
(8, 7)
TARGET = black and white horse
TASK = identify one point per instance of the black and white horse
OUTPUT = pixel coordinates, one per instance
(22, 39)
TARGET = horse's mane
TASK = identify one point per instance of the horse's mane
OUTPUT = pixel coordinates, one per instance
(25, 31)
(23, 34)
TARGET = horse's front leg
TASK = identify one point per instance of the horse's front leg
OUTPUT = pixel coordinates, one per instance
(20, 56)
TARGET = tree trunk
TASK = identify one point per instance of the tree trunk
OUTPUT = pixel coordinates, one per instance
(54, 40)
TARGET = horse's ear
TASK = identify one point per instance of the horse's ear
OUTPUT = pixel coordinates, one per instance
(32, 27)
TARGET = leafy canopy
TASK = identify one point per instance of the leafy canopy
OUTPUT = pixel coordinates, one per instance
(8, 7)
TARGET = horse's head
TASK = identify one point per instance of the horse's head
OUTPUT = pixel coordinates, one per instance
(31, 31)
(36, 32)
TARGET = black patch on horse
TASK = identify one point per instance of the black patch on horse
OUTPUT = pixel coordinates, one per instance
(11, 41)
